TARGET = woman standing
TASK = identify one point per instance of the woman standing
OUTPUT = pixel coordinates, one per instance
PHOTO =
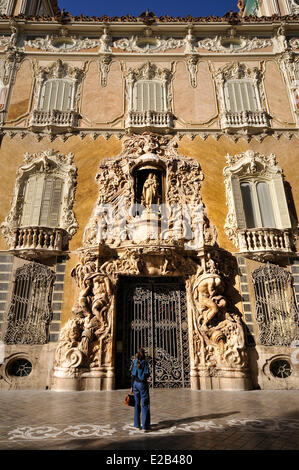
(140, 374)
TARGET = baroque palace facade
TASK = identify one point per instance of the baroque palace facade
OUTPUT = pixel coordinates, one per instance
(148, 197)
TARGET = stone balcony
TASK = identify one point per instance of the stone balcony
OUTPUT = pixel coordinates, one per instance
(263, 240)
(251, 121)
(54, 120)
(43, 240)
(149, 120)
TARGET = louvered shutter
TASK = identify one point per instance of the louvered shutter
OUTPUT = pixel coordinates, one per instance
(281, 202)
(36, 203)
(67, 97)
(237, 201)
(252, 101)
(28, 200)
(56, 201)
(265, 205)
(32, 201)
(51, 201)
(148, 96)
(45, 96)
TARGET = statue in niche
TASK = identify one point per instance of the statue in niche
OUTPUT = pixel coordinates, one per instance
(150, 191)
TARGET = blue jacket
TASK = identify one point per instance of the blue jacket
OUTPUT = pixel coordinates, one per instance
(142, 373)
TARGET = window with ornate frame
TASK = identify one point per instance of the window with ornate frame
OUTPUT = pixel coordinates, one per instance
(275, 306)
(30, 310)
(240, 97)
(57, 93)
(148, 98)
(41, 216)
(258, 218)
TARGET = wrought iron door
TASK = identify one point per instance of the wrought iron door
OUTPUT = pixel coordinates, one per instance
(152, 314)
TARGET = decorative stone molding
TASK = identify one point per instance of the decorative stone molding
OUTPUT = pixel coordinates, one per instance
(3, 6)
(55, 120)
(49, 162)
(294, 7)
(192, 60)
(104, 67)
(252, 165)
(85, 347)
(249, 121)
(233, 45)
(148, 44)
(62, 42)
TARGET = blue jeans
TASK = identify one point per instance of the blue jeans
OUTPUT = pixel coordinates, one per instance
(142, 400)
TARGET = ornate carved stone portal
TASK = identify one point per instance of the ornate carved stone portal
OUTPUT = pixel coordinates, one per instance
(150, 221)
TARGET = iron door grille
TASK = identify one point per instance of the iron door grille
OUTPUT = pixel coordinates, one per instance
(153, 314)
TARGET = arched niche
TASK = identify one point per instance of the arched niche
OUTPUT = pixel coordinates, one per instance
(142, 172)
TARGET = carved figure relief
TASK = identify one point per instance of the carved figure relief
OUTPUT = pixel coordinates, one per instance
(219, 336)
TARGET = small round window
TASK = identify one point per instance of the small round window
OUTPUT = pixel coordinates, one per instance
(20, 368)
(280, 368)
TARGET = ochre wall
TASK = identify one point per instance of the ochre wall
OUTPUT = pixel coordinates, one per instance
(88, 153)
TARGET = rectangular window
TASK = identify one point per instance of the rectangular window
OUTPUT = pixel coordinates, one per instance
(148, 96)
(241, 96)
(42, 201)
(56, 95)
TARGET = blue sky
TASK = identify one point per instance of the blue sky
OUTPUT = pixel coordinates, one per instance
(159, 7)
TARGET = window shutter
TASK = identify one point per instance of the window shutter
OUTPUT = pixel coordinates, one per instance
(281, 202)
(46, 202)
(265, 204)
(36, 203)
(56, 200)
(45, 96)
(148, 96)
(237, 201)
(252, 102)
(238, 96)
(28, 200)
(53, 94)
(32, 201)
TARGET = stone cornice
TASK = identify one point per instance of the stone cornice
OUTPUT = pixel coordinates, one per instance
(151, 19)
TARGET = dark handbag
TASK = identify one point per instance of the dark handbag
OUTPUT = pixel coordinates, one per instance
(129, 400)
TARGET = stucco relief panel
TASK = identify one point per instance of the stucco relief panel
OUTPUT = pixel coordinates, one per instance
(201, 100)
(102, 104)
(19, 105)
(276, 95)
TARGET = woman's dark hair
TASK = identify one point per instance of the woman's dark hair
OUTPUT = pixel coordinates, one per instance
(140, 356)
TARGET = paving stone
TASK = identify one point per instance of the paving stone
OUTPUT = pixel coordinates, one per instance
(181, 420)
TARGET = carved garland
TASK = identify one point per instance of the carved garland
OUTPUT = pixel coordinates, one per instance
(48, 162)
(217, 44)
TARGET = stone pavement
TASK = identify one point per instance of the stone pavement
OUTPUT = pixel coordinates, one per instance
(181, 420)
